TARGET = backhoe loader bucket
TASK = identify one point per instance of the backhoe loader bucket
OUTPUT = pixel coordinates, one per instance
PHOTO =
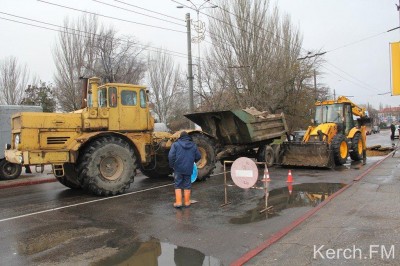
(311, 154)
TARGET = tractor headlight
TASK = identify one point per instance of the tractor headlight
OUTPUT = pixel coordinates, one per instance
(17, 140)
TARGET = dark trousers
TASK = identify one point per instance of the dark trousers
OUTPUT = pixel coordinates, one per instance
(182, 181)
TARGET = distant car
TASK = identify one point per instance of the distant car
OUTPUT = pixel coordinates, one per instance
(375, 129)
(396, 132)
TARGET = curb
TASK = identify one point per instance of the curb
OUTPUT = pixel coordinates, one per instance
(284, 231)
(28, 182)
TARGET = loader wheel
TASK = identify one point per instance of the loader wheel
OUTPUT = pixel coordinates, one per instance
(107, 166)
(70, 177)
(9, 170)
(267, 155)
(340, 149)
(357, 148)
(206, 165)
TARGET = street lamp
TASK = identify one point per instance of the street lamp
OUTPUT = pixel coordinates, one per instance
(199, 27)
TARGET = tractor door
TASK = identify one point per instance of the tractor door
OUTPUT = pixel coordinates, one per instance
(113, 108)
(348, 119)
(133, 109)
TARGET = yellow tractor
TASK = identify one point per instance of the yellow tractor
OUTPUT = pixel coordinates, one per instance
(332, 137)
(100, 147)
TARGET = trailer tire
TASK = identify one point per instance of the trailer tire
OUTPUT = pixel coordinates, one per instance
(267, 155)
(340, 149)
(107, 166)
(356, 153)
(9, 171)
(206, 165)
(70, 177)
(278, 153)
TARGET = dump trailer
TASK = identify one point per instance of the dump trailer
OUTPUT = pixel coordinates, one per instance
(242, 132)
(10, 170)
(333, 136)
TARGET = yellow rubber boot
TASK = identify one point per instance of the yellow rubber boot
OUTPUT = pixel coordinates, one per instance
(178, 198)
(186, 193)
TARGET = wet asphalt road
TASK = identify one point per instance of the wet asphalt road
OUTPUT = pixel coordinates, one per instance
(48, 224)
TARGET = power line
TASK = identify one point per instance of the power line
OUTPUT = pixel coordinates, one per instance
(114, 18)
(214, 35)
(144, 47)
(351, 81)
(351, 76)
(361, 40)
(148, 10)
(129, 10)
(258, 26)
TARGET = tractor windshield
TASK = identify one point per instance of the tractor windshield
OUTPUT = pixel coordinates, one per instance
(329, 113)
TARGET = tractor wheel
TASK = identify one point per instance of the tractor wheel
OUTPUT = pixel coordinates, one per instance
(70, 177)
(267, 155)
(357, 148)
(107, 166)
(340, 149)
(9, 170)
(206, 165)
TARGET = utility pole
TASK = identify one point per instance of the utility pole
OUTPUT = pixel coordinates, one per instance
(199, 27)
(190, 65)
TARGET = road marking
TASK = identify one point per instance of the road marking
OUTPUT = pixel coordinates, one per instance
(82, 203)
(87, 202)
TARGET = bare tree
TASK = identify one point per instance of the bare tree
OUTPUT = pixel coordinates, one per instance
(254, 58)
(166, 85)
(74, 57)
(13, 81)
(86, 48)
(119, 59)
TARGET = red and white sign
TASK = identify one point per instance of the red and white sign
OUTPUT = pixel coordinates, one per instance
(244, 172)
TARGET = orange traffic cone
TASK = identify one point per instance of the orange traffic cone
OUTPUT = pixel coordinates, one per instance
(266, 177)
(290, 187)
(290, 177)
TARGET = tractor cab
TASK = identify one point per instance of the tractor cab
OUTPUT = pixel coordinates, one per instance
(338, 113)
(125, 106)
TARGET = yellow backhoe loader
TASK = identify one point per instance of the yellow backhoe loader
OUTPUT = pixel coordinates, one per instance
(332, 137)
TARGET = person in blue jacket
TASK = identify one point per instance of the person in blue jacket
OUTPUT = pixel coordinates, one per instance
(182, 155)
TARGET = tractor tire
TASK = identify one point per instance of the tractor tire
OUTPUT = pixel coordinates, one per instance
(106, 166)
(70, 177)
(9, 171)
(356, 153)
(206, 165)
(267, 155)
(340, 149)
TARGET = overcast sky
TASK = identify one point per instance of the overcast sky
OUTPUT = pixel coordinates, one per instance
(357, 64)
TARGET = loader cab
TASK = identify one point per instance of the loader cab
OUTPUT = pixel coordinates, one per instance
(338, 113)
(124, 105)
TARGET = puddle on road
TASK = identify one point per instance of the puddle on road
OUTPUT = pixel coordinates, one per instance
(156, 253)
(307, 194)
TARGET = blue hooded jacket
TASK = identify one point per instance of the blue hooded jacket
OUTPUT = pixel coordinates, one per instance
(183, 154)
